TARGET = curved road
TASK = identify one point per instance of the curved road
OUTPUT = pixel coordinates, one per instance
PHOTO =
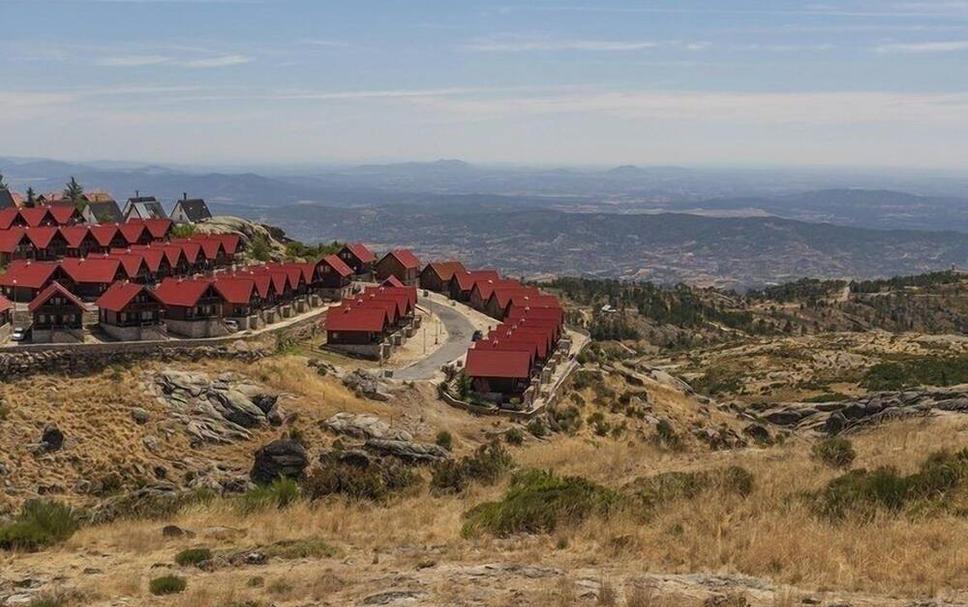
(459, 334)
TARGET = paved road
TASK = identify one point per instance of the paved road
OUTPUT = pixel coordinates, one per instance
(459, 334)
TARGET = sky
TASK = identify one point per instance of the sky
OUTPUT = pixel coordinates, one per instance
(872, 83)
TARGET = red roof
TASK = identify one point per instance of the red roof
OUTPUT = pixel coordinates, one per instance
(294, 272)
(131, 262)
(54, 289)
(74, 235)
(535, 314)
(410, 293)
(120, 294)
(392, 308)
(152, 256)
(405, 257)
(35, 216)
(210, 246)
(342, 318)
(513, 364)
(64, 214)
(7, 216)
(235, 290)
(10, 239)
(504, 295)
(158, 227)
(29, 274)
(41, 236)
(104, 233)
(230, 242)
(91, 270)
(501, 345)
(361, 252)
(173, 253)
(263, 282)
(445, 270)
(337, 264)
(132, 231)
(5, 304)
(486, 287)
(392, 281)
(182, 292)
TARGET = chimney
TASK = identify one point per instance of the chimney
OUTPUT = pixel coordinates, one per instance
(137, 194)
(184, 195)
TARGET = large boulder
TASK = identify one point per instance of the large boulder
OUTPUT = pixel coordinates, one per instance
(408, 451)
(364, 426)
(52, 438)
(282, 458)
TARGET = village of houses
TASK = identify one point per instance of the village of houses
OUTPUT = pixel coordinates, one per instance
(94, 272)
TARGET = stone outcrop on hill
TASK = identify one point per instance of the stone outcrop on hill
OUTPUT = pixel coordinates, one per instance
(221, 409)
(382, 439)
(282, 458)
(849, 415)
(225, 224)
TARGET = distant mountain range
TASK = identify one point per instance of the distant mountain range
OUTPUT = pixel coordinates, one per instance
(721, 227)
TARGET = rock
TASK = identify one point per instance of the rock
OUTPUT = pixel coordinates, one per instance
(254, 558)
(835, 423)
(276, 416)
(140, 416)
(357, 458)
(366, 385)
(283, 458)
(52, 438)
(222, 533)
(409, 451)
(364, 426)
(393, 597)
(758, 432)
(783, 417)
(175, 531)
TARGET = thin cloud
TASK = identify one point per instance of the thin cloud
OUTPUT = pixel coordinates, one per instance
(133, 60)
(211, 62)
(518, 44)
(948, 46)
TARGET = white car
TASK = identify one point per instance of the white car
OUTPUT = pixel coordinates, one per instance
(18, 334)
(231, 325)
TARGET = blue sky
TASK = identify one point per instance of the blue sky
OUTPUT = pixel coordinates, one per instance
(567, 82)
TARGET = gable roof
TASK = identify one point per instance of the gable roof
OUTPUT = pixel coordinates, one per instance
(104, 233)
(392, 281)
(182, 292)
(55, 288)
(338, 265)
(103, 210)
(235, 289)
(360, 251)
(485, 288)
(120, 294)
(91, 270)
(64, 214)
(35, 216)
(5, 304)
(29, 274)
(145, 207)
(7, 217)
(132, 231)
(6, 199)
(445, 270)
(404, 257)
(10, 239)
(41, 236)
(466, 280)
(344, 318)
(193, 208)
(131, 262)
(511, 364)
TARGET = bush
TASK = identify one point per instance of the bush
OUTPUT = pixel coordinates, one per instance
(514, 436)
(537, 428)
(837, 452)
(917, 371)
(38, 525)
(281, 494)
(567, 418)
(666, 436)
(193, 556)
(654, 491)
(862, 493)
(539, 502)
(167, 584)
(445, 440)
(375, 483)
(487, 464)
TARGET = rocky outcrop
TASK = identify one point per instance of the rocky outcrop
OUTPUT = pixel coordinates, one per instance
(283, 458)
(221, 409)
(364, 426)
(52, 438)
(366, 385)
(407, 450)
(845, 416)
(249, 231)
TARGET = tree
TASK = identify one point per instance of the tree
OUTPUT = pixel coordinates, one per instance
(31, 201)
(3, 184)
(74, 192)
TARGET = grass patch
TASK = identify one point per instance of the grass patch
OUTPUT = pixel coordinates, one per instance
(167, 584)
(921, 371)
(938, 486)
(38, 525)
(486, 465)
(837, 452)
(193, 556)
(374, 483)
(307, 548)
(827, 397)
(539, 502)
(445, 439)
(281, 494)
(654, 491)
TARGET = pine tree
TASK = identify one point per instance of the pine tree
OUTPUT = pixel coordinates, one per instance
(3, 184)
(31, 201)
(74, 192)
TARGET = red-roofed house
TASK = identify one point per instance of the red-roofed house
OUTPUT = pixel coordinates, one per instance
(130, 312)
(158, 227)
(14, 244)
(80, 241)
(498, 374)
(6, 309)
(438, 274)
(483, 289)
(357, 330)
(47, 241)
(392, 281)
(65, 215)
(242, 299)
(358, 257)
(23, 280)
(91, 276)
(36, 216)
(401, 263)
(502, 297)
(332, 277)
(108, 237)
(193, 308)
(57, 316)
(135, 232)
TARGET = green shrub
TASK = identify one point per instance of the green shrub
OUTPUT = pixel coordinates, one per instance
(828, 397)
(445, 440)
(837, 452)
(39, 524)
(281, 494)
(167, 584)
(514, 436)
(4, 411)
(193, 556)
(486, 465)
(537, 428)
(599, 424)
(539, 502)
(376, 482)
(666, 436)
(567, 418)
(311, 547)
(655, 491)
(863, 493)
(917, 371)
